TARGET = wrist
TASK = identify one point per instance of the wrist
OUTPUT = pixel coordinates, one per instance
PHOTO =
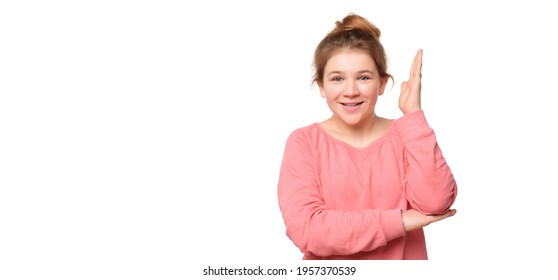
(410, 111)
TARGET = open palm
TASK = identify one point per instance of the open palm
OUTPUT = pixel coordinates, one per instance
(409, 100)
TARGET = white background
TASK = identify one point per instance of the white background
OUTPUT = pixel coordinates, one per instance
(142, 139)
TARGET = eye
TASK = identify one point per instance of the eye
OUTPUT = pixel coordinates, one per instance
(364, 78)
(337, 79)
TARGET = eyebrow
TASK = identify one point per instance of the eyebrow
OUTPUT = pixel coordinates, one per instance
(358, 72)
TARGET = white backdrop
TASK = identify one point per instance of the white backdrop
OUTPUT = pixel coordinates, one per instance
(142, 139)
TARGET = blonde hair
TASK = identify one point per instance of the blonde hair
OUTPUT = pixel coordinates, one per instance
(352, 33)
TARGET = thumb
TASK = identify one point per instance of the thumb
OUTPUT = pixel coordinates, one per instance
(404, 86)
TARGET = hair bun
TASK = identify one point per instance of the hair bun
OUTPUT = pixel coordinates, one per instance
(352, 33)
(353, 21)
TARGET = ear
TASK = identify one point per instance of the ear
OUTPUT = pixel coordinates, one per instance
(383, 84)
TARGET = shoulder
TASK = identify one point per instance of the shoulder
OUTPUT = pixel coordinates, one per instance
(305, 139)
(305, 133)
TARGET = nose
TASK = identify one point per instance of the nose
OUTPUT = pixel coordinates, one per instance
(352, 89)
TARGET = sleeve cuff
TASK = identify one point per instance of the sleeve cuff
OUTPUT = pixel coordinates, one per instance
(413, 126)
(392, 224)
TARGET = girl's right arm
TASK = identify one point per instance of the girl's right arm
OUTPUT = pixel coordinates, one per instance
(311, 225)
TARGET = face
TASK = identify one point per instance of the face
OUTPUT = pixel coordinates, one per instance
(351, 87)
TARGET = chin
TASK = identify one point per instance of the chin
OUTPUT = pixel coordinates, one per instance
(351, 122)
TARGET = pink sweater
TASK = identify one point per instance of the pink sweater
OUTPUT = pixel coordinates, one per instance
(342, 202)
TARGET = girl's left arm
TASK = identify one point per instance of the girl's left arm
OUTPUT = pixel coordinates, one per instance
(428, 182)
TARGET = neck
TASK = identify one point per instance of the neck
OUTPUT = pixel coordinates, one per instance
(360, 131)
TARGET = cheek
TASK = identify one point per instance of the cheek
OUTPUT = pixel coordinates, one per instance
(331, 92)
(371, 90)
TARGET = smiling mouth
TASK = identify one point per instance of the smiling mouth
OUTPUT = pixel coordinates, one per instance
(352, 104)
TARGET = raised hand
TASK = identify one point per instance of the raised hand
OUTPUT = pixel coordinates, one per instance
(409, 100)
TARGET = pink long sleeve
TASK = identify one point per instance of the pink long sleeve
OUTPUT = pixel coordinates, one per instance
(318, 229)
(429, 184)
(341, 202)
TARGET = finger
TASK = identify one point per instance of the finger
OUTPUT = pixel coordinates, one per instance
(416, 71)
(447, 214)
(419, 70)
(450, 213)
(417, 61)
